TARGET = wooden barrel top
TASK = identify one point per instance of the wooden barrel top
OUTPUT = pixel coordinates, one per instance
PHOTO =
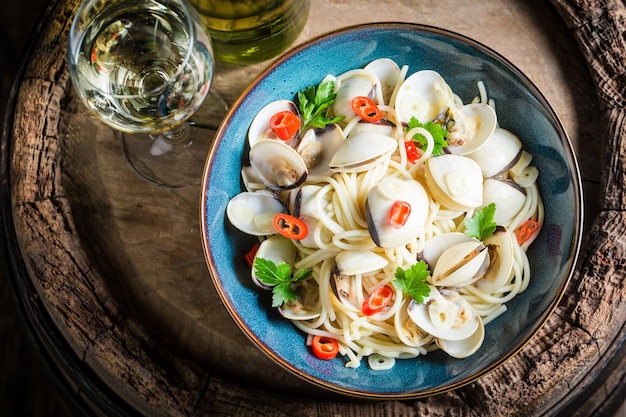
(111, 274)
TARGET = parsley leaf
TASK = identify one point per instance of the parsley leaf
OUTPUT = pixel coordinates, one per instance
(314, 103)
(481, 224)
(437, 131)
(413, 280)
(279, 277)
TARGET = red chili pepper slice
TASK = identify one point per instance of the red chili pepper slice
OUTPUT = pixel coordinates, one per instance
(399, 213)
(366, 109)
(411, 151)
(249, 257)
(325, 347)
(526, 230)
(285, 124)
(377, 300)
(290, 226)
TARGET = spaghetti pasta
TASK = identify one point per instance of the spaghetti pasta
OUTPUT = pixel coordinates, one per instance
(344, 251)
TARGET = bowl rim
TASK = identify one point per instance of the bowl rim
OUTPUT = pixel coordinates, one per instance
(575, 178)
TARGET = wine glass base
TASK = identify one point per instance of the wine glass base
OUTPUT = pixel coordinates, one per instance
(176, 162)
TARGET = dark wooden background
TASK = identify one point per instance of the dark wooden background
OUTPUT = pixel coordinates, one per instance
(26, 386)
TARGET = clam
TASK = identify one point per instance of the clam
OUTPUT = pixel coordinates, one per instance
(362, 151)
(465, 347)
(348, 85)
(508, 197)
(353, 262)
(455, 181)
(388, 73)
(436, 245)
(260, 126)
(501, 253)
(307, 306)
(278, 165)
(380, 202)
(408, 332)
(461, 264)
(423, 95)
(348, 264)
(301, 201)
(444, 314)
(382, 127)
(318, 146)
(276, 248)
(500, 153)
(469, 127)
(253, 212)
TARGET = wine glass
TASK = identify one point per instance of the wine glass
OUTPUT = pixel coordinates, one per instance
(144, 67)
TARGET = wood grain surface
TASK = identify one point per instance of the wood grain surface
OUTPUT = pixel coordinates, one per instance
(118, 266)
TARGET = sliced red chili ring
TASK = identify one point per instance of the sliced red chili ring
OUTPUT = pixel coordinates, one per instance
(526, 230)
(325, 347)
(377, 300)
(366, 109)
(285, 124)
(399, 213)
(290, 226)
(411, 151)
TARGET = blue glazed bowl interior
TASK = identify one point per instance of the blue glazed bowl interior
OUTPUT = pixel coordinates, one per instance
(521, 109)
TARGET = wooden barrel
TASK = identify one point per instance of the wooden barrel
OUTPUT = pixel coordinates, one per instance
(111, 275)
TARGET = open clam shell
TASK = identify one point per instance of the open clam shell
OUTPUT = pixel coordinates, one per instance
(278, 165)
(362, 151)
(455, 181)
(469, 127)
(380, 201)
(508, 197)
(423, 95)
(276, 248)
(501, 254)
(500, 152)
(444, 315)
(252, 212)
(260, 126)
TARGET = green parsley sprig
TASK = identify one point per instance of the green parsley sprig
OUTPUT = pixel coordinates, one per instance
(314, 104)
(438, 133)
(412, 281)
(481, 224)
(279, 277)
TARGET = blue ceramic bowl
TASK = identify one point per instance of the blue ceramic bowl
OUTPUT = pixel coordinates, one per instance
(521, 109)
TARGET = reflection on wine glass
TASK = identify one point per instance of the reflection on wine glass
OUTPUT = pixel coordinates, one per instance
(144, 67)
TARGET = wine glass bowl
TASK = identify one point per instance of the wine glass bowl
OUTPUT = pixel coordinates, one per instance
(143, 67)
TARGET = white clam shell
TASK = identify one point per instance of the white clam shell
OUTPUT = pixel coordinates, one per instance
(252, 212)
(436, 245)
(388, 73)
(352, 262)
(508, 197)
(348, 85)
(276, 248)
(260, 126)
(318, 146)
(362, 151)
(423, 95)
(455, 181)
(461, 264)
(454, 317)
(499, 153)
(475, 123)
(500, 246)
(277, 164)
(381, 198)
(465, 347)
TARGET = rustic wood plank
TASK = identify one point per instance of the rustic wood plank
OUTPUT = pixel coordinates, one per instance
(561, 362)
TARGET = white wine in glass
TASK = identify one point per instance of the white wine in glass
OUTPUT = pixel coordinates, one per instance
(144, 67)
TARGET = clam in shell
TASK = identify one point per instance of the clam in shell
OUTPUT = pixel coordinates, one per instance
(380, 201)
(277, 165)
(455, 181)
(253, 212)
